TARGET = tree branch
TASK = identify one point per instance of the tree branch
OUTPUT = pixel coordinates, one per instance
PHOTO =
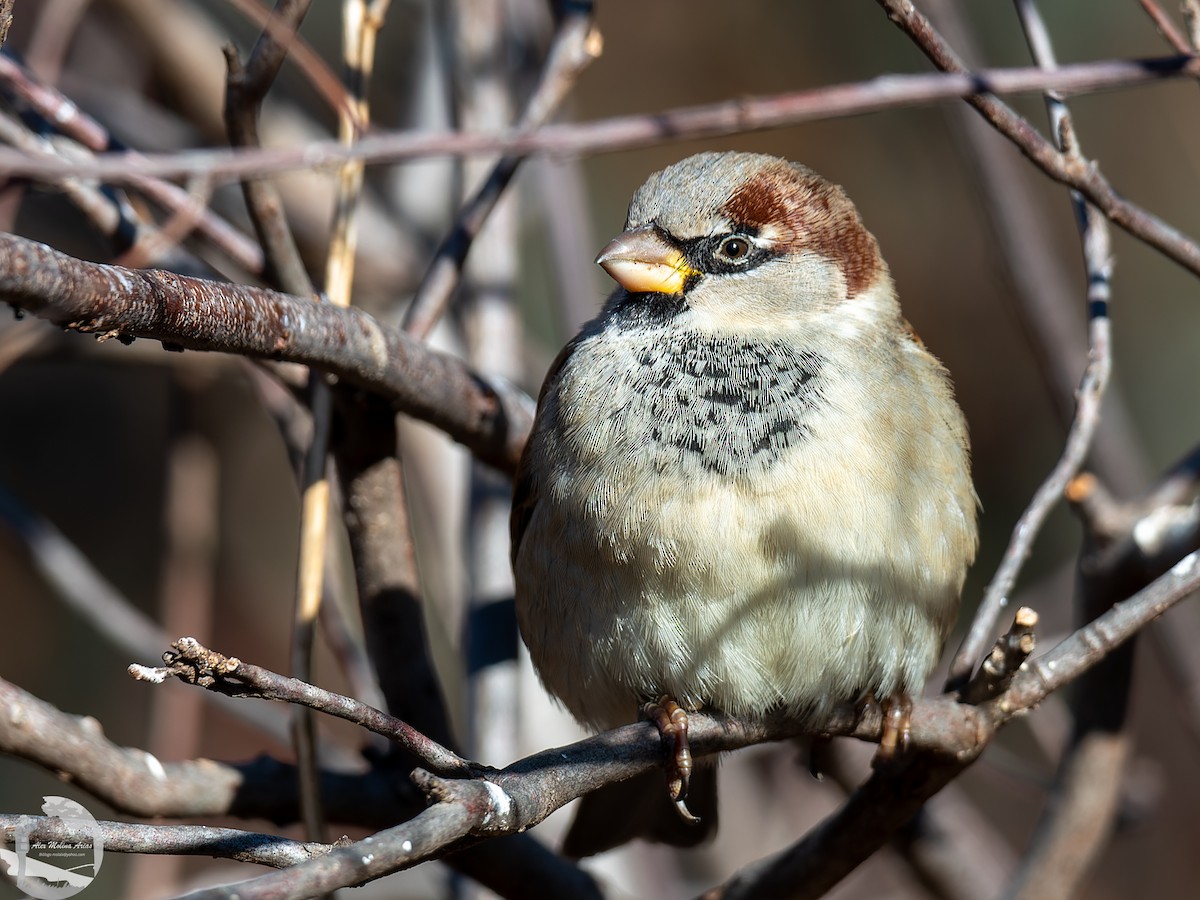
(490, 418)
(174, 840)
(195, 664)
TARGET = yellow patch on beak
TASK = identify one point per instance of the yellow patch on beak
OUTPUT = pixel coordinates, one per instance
(641, 261)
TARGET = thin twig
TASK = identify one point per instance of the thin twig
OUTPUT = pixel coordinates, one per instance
(1007, 656)
(887, 800)
(183, 221)
(135, 783)
(176, 840)
(1098, 264)
(245, 88)
(576, 44)
(1087, 792)
(627, 132)
(113, 219)
(1166, 26)
(360, 27)
(741, 116)
(279, 33)
(190, 661)
(529, 790)
(69, 120)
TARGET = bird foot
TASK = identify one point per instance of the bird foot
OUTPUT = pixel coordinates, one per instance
(897, 718)
(671, 719)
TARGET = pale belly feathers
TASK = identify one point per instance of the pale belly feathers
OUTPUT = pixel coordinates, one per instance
(786, 562)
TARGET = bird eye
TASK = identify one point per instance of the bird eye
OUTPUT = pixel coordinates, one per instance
(734, 247)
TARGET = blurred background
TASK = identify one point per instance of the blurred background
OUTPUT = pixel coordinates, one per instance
(167, 472)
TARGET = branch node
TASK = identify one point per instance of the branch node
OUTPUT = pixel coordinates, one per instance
(190, 661)
(1005, 660)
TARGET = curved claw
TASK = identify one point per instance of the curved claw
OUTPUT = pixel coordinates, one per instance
(684, 812)
(671, 719)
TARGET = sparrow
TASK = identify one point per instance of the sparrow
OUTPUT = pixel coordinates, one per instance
(747, 489)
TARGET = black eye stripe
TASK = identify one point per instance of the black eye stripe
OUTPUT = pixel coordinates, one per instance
(710, 254)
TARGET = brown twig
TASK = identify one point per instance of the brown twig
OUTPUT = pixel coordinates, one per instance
(888, 799)
(492, 419)
(946, 737)
(627, 132)
(69, 120)
(529, 790)
(115, 220)
(1083, 807)
(1011, 650)
(1166, 26)
(193, 663)
(279, 40)
(131, 781)
(157, 245)
(1095, 376)
(361, 22)
(245, 88)
(575, 46)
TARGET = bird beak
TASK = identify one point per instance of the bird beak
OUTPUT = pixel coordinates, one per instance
(643, 262)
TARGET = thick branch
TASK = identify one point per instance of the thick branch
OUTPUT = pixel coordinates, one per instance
(491, 419)
(385, 565)
(946, 737)
(136, 783)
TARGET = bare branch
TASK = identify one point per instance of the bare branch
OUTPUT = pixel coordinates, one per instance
(134, 782)
(385, 565)
(890, 798)
(193, 663)
(70, 120)
(1098, 264)
(946, 737)
(626, 132)
(576, 45)
(490, 418)
(245, 88)
(1166, 26)
(175, 840)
